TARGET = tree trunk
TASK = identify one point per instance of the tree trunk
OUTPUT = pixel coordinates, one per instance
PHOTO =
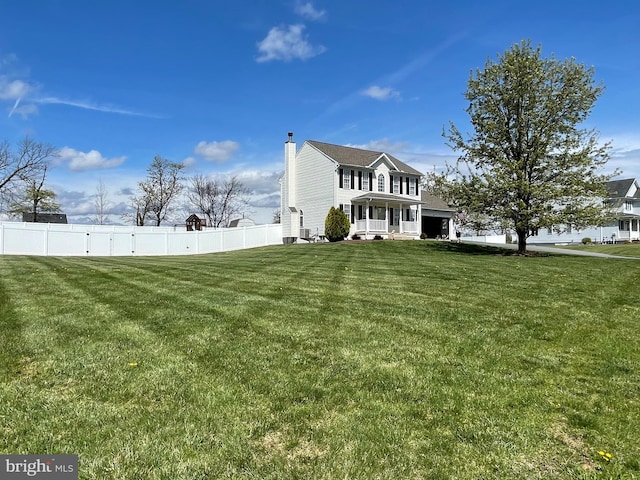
(522, 241)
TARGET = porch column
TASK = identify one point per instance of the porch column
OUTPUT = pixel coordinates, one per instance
(366, 217)
(401, 226)
(386, 216)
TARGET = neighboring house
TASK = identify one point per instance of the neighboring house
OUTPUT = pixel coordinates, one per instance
(241, 222)
(380, 194)
(45, 217)
(624, 199)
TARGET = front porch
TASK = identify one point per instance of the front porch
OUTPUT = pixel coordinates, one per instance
(382, 227)
(384, 215)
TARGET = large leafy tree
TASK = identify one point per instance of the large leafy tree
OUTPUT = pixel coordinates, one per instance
(529, 161)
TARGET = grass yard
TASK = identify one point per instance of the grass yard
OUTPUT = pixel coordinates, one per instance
(353, 360)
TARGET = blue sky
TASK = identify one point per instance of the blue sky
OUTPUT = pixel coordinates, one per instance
(218, 84)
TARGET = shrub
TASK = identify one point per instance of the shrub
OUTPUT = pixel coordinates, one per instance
(378, 237)
(586, 241)
(355, 236)
(336, 225)
(423, 236)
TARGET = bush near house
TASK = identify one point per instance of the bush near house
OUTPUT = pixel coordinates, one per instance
(336, 225)
(586, 241)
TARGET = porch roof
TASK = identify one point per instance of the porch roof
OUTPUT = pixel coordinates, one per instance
(385, 197)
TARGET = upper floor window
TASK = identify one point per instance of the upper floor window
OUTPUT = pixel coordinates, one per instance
(346, 179)
(365, 181)
(396, 184)
(412, 186)
(381, 183)
(628, 206)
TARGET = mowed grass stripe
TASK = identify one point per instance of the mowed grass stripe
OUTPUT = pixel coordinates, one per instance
(358, 360)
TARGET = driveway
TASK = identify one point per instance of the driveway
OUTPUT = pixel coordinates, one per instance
(555, 250)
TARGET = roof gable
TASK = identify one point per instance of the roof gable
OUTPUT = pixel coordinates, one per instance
(622, 188)
(359, 157)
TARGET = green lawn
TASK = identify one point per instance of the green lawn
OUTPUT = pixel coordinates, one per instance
(622, 249)
(383, 359)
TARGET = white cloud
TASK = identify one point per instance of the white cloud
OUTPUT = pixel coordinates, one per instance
(189, 161)
(287, 43)
(308, 11)
(380, 93)
(218, 152)
(13, 90)
(78, 161)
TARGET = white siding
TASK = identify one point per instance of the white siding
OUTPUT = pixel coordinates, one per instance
(316, 187)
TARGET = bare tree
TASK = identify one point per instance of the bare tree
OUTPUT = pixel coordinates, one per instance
(35, 199)
(101, 202)
(158, 192)
(218, 199)
(140, 209)
(26, 163)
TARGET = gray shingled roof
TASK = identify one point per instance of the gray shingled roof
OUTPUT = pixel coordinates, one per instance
(619, 188)
(432, 202)
(358, 157)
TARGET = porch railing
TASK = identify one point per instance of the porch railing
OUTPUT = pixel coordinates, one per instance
(383, 226)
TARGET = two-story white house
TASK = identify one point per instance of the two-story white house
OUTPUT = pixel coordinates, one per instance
(624, 200)
(379, 193)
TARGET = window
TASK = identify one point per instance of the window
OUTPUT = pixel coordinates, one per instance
(381, 183)
(346, 179)
(628, 206)
(396, 184)
(396, 216)
(346, 208)
(365, 181)
(412, 186)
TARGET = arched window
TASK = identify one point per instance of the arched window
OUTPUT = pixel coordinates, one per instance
(381, 183)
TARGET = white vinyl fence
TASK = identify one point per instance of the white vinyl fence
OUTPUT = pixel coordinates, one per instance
(19, 238)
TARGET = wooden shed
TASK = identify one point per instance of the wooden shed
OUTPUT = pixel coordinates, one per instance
(194, 222)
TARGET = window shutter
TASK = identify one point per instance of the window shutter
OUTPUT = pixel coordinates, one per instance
(390, 215)
(401, 182)
(359, 179)
(353, 179)
(390, 183)
(341, 207)
(359, 212)
(370, 212)
(408, 189)
(340, 183)
(371, 181)
(353, 213)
